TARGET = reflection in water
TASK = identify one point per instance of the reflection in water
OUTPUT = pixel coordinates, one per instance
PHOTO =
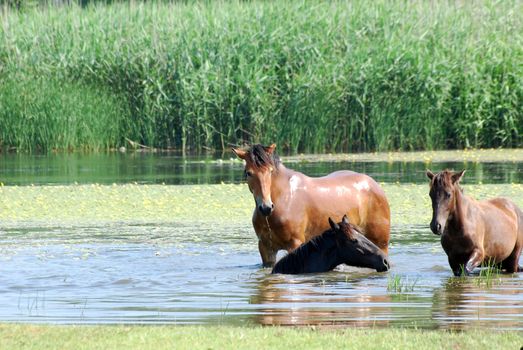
(470, 303)
(167, 273)
(170, 168)
(320, 300)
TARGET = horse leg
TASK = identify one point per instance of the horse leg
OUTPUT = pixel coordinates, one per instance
(475, 260)
(293, 244)
(456, 268)
(379, 234)
(268, 254)
(511, 264)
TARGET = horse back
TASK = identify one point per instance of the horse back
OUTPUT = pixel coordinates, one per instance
(357, 195)
(505, 206)
(361, 182)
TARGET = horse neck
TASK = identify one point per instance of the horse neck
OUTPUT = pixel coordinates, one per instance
(300, 259)
(280, 182)
(330, 257)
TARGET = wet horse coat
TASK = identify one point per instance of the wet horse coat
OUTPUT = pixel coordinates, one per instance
(343, 243)
(473, 232)
(291, 208)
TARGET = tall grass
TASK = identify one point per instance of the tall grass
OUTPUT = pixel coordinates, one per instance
(48, 114)
(311, 76)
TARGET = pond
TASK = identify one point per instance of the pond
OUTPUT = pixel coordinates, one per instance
(74, 252)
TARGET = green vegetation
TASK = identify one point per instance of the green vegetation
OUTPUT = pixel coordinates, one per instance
(488, 273)
(80, 204)
(398, 284)
(431, 158)
(181, 337)
(328, 76)
(48, 114)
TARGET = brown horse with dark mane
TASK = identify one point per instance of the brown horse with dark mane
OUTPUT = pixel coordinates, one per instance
(291, 207)
(473, 232)
(343, 243)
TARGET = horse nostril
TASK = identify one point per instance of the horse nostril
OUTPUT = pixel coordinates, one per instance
(439, 227)
(265, 210)
(272, 206)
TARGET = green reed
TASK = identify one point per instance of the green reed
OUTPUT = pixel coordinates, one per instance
(487, 274)
(400, 284)
(311, 76)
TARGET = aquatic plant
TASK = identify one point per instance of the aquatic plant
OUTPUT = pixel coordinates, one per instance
(400, 284)
(487, 273)
(311, 76)
(410, 203)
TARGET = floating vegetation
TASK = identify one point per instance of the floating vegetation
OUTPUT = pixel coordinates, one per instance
(77, 204)
(467, 155)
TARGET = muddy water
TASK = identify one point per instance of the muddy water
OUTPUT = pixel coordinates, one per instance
(210, 273)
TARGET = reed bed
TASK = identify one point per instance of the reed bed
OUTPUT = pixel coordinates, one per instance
(311, 76)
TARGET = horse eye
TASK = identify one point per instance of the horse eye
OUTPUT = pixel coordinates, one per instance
(248, 173)
(447, 195)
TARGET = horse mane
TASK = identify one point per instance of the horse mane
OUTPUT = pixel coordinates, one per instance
(349, 230)
(444, 179)
(261, 159)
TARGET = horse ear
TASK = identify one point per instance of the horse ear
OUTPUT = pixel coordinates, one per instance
(270, 149)
(334, 225)
(430, 174)
(240, 153)
(345, 219)
(456, 177)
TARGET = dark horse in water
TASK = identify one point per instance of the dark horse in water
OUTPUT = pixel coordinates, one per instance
(291, 208)
(473, 232)
(343, 243)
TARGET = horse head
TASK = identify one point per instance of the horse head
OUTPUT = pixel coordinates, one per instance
(260, 164)
(355, 249)
(341, 244)
(443, 187)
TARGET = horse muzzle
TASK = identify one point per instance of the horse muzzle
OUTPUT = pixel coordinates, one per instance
(384, 267)
(436, 228)
(266, 210)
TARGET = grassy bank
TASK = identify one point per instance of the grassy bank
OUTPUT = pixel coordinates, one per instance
(168, 337)
(84, 204)
(339, 76)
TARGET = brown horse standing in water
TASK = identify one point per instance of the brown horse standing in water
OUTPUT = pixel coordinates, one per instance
(474, 232)
(291, 207)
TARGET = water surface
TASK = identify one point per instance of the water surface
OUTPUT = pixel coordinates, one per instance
(209, 272)
(174, 169)
(151, 273)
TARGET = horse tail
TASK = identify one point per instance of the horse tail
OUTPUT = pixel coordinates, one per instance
(519, 239)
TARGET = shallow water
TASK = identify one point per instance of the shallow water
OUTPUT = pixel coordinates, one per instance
(171, 273)
(204, 272)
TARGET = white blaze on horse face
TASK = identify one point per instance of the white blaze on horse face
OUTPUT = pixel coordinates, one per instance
(362, 185)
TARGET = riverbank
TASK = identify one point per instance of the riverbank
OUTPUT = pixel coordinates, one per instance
(15, 336)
